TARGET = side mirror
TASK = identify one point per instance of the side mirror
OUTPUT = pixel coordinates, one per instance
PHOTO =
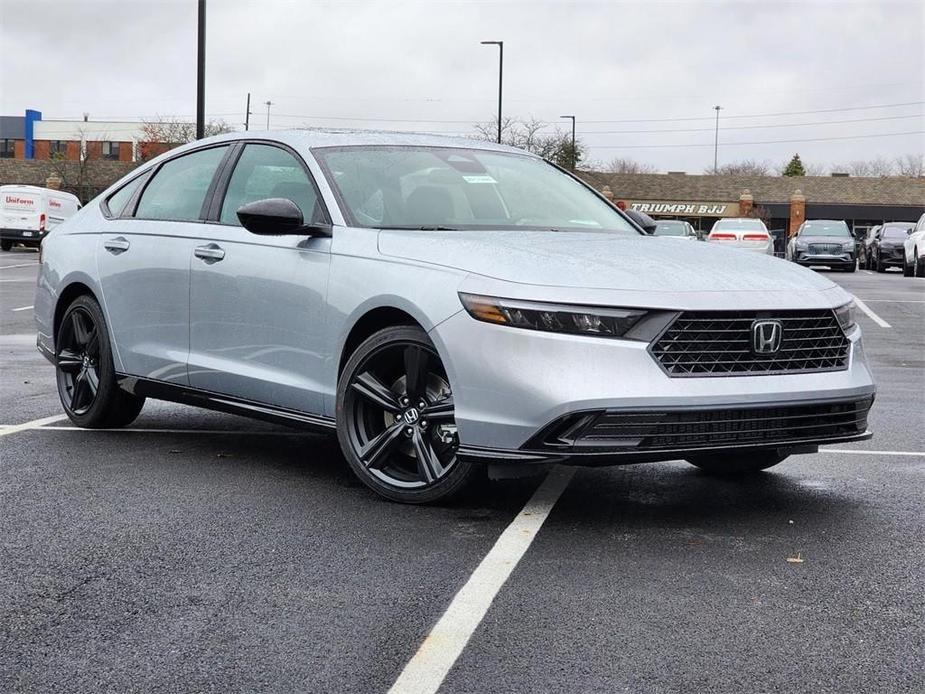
(276, 217)
(642, 220)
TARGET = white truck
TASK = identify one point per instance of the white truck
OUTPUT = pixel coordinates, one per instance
(28, 213)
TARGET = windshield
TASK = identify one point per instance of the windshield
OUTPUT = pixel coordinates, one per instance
(740, 224)
(825, 229)
(446, 188)
(671, 229)
(894, 232)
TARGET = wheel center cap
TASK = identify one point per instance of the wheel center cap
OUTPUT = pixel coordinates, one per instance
(411, 415)
(86, 362)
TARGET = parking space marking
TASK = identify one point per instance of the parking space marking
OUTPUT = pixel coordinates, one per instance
(860, 452)
(9, 267)
(34, 424)
(895, 301)
(442, 646)
(22, 308)
(870, 314)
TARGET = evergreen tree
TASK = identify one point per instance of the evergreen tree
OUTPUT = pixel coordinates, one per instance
(794, 168)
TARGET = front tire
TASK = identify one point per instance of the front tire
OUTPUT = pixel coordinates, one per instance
(86, 376)
(908, 268)
(395, 419)
(852, 268)
(919, 265)
(880, 267)
(737, 463)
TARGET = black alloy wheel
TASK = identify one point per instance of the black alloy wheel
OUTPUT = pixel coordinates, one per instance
(85, 373)
(396, 418)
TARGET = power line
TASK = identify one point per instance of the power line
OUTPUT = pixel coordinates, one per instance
(763, 142)
(752, 127)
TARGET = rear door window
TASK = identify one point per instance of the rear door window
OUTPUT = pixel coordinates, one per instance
(266, 171)
(179, 187)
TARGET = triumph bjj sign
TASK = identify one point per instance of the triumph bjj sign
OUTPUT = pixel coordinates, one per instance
(687, 209)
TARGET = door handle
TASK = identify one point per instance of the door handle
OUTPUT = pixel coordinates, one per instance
(211, 253)
(117, 245)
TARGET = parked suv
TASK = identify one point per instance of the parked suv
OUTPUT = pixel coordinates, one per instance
(440, 304)
(824, 242)
(914, 250)
(887, 250)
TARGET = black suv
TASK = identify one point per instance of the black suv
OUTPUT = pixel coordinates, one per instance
(886, 250)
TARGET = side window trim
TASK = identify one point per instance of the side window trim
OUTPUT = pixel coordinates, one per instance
(215, 210)
(133, 203)
(216, 195)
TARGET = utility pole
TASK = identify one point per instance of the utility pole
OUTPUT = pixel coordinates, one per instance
(268, 104)
(201, 74)
(500, 45)
(716, 140)
(247, 113)
(574, 153)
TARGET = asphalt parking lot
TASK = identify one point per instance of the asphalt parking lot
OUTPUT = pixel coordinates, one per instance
(198, 551)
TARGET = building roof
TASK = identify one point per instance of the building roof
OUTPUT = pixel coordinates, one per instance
(837, 190)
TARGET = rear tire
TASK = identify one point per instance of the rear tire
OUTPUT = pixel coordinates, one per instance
(6, 245)
(86, 376)
(919, 265)
(908, 268)
(395, 419)
(737, 463)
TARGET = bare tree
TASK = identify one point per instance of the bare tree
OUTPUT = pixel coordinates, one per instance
(911, 165)
(746, 167)
(815, 169)
(870, 168)
(77, 175)
(622, 165)
(165, 133)
(554, 145)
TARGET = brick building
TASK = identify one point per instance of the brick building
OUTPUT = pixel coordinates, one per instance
(31, 137)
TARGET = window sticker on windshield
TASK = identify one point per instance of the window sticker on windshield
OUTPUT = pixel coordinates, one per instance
(481, 178)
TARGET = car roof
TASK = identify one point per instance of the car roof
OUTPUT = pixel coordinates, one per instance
(312, 138)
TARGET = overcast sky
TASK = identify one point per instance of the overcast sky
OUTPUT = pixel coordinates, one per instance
(418, 65)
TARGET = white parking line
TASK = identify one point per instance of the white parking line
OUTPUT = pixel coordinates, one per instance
(22, 308)
(895, 301)
(8, 267)
(859, 452)
(133, 430)
(442, 646)
(870, 314)
(34, 424)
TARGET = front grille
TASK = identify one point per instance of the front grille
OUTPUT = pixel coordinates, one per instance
(825, 249)
(719, 343)
(705, 428)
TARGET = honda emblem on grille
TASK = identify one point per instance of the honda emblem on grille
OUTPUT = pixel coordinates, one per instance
(766, 336)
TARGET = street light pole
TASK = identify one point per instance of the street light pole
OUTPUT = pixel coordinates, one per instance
(268, 104)
(716, 140)
(574, 153)
(247, 113)
(500, 45)
(201, 73)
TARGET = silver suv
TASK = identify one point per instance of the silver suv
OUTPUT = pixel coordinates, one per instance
(441, 304)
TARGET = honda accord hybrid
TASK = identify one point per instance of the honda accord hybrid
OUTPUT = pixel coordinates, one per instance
(441, 304)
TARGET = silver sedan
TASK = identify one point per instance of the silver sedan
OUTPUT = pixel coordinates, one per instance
(440, 304)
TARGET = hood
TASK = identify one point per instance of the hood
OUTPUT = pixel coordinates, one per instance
(598, 260)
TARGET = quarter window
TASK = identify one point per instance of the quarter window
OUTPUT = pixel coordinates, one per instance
(179, 187)
(265, 171)
(117, 201)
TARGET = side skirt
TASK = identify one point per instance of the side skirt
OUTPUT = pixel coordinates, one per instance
(186, 395)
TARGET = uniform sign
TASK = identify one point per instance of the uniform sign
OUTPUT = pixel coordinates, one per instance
(687, 209)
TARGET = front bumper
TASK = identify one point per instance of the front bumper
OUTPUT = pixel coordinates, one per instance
(509, 384)
(892, 257)
(807, 259)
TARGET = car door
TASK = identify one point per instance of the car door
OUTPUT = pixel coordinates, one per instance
(144, 260)
(257, 303)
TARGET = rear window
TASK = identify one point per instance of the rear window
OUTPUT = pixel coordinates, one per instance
(740, 225)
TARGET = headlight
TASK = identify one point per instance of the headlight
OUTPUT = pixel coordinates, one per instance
(553, 318)
(802, 245)
(845, 316)
(848, 245)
